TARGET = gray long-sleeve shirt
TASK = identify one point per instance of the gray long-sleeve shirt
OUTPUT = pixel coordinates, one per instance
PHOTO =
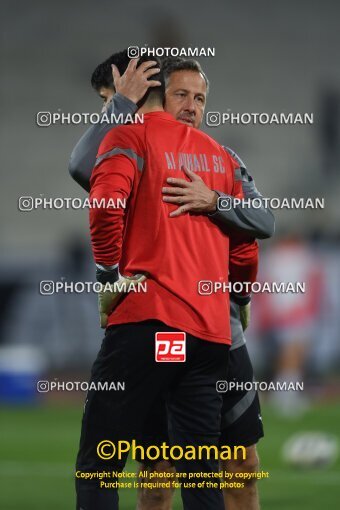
(84, 154)
(258, 222)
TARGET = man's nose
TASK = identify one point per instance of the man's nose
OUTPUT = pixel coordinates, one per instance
(190, 104)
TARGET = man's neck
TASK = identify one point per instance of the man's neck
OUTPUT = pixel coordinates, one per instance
(151, 108)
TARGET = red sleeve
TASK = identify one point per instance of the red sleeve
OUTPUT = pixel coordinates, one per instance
(243, 260)
(111, 180)
(243, 249)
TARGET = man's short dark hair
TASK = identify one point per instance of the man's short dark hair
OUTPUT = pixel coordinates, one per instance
(173, 64)
(102, 75)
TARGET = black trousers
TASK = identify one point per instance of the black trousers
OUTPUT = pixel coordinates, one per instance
(194, 406)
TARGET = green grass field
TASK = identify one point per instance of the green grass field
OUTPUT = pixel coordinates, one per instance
(38, 448)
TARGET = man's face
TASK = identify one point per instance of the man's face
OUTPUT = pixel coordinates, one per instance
(185, 97)
(106, 93)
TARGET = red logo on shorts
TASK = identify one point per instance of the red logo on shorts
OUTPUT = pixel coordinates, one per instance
(170, 347)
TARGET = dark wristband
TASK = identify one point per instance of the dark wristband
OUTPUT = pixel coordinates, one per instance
(110, 276)
(240, 300)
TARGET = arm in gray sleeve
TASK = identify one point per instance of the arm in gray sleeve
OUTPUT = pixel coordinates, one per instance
(84, 154)
(258, 221)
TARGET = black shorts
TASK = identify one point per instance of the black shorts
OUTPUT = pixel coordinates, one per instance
(241, 423)
(127, 354)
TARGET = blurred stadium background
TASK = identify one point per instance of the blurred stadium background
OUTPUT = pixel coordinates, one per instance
(270, 57)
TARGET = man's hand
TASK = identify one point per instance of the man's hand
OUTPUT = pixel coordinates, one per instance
(111, 293)
(194, 196)
(245, 316)
(134, 83)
